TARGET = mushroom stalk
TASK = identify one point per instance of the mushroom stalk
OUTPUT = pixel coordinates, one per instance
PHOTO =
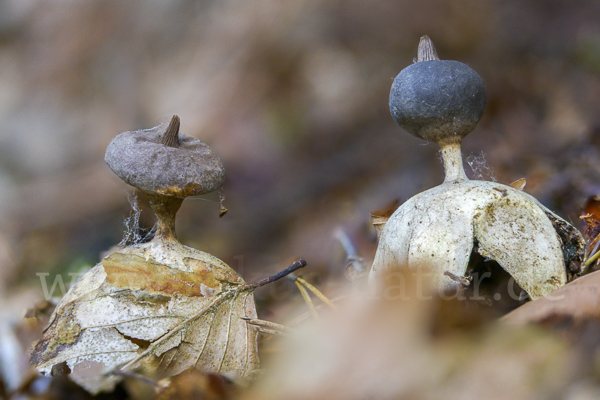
(165, 208)
(453, 165)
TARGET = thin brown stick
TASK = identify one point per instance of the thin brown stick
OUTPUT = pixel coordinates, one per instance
(463, 280)
(134, 375)
(261, 323)
(299, 263)
(271, 332)
(593, 246)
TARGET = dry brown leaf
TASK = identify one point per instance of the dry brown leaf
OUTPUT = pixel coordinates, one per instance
(519, 184)
(592, 207)
(577, 300)
(380, 217)
(162, 307)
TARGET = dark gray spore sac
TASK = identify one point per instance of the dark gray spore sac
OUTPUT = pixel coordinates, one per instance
(438, 100)
(141, 160)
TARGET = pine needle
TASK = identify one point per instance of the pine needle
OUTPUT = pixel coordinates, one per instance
(307, 299)
(316, 292)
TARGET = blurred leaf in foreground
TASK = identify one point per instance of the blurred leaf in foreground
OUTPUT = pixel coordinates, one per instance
(411, 347)
(577, 301)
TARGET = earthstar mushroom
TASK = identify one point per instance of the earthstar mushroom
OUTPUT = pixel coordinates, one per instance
(158, 307)
(442, 101)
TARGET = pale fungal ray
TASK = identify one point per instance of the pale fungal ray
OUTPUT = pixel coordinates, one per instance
(437, 229)
(517, 234)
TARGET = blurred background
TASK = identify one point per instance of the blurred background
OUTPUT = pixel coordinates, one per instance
(293, 96)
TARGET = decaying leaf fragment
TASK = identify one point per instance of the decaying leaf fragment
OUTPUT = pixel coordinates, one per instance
(442, 101)
(381, 216)
(163, 308)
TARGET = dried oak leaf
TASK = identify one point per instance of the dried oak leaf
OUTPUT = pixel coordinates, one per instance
(159, 307)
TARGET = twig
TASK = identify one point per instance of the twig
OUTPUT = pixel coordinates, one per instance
(267, 325)
(463, 280)
(269, 331)
(134, 375)
(352, 256)
(299, 263)
(594, 245)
